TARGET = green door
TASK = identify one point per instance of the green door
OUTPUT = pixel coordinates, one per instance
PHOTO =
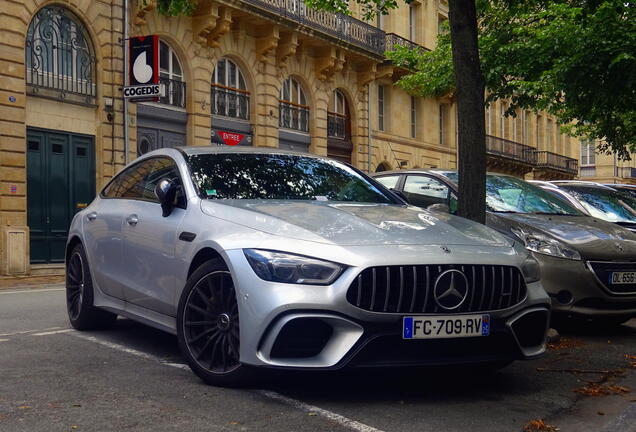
(60, 182)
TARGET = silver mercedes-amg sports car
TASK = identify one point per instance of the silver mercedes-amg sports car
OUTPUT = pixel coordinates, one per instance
(265, 258)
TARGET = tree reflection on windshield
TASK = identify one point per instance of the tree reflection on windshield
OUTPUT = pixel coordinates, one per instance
(280, 176)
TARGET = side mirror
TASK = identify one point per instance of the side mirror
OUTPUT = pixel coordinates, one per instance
(439, 208)
(399, 193)
(166, 192)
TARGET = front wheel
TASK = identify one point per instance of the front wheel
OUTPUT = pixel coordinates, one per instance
(208, 327)
(79, 295)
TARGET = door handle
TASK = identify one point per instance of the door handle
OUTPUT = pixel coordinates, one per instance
(132, 219)
(91, 216)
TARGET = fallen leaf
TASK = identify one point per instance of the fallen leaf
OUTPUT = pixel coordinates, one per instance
(565, 343)
(233, 422)
(600, 413)
(539, 425)
(23, 407)
(77, 405)
(594, 389)
(313, 413)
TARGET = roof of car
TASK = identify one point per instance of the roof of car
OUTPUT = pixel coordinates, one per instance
(198, 150)
(425, 171)
(581, 183)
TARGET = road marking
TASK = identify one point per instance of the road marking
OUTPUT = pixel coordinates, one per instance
(337, 418)
(29, 331)
(52, 332)
(32, 291)
(294, 403)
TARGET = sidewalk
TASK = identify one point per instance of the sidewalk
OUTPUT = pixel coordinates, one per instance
(10, 282)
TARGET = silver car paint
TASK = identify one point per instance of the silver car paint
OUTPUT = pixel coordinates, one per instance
(339, 233)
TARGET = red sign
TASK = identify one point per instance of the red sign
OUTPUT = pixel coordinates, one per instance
(230, 138)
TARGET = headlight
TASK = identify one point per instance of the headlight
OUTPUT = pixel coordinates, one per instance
(295, 269)
(542, 244)
(531, 270)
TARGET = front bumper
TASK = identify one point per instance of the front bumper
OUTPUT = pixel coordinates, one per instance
(315, 327)
(575, 290)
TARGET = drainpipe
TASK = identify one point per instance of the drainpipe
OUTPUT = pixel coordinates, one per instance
(125, 80)
(369, 128)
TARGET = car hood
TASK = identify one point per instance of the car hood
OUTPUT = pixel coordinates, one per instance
(591, 237)
(354, 224)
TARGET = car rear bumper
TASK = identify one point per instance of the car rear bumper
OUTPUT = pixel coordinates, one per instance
(576, 290)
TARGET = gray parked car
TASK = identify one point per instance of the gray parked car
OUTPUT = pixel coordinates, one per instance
(588, 266)
(258, 258)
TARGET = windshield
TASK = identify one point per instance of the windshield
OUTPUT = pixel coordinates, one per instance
(506, 194)
(605, 204)
(281, 177)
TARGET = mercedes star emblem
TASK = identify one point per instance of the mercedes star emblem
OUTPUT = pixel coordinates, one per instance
(451, 289)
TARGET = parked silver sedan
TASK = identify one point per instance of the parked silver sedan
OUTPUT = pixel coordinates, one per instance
(258, 258)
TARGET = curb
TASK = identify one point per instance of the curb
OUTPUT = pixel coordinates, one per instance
(625, 422)
(32, 287)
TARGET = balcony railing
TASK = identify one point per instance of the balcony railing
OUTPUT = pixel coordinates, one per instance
(510, 150)
(294, 116)
(546, 159)
(627, 172)
(392, 41)
(175, 92)
(230, 102)
(337, 126)
(338, 25)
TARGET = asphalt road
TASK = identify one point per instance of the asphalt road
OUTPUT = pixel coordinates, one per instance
(132, 378)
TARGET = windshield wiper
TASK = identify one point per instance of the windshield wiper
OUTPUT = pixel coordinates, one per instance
(550, 214)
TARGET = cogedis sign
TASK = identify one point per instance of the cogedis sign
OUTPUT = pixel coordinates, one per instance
(144, 69)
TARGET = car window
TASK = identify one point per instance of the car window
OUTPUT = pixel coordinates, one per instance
(139, 180)
(511, 195)
(605, 204)
(281, 177)
(424, 191)
(388, 181)
(428, 186)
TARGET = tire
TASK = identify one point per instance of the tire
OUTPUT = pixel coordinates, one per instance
(208, 327)
(79, 295)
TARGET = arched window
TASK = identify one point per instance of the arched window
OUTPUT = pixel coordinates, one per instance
(171, 76)
(229, 97)
(294, 111)
(59, 54)
(338, 116)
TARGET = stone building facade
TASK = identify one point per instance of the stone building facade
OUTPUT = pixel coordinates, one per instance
(253, 72)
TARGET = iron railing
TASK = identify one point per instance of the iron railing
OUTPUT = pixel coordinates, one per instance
(230, 102)
(175, 92)
(293, 116)
(340, 26)
(392, 41)
(627, 172)
(546, 159)
(510, 150)
(336, 125)
(59, 55)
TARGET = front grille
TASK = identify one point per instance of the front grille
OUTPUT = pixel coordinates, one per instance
(604, 270)
(409, 289)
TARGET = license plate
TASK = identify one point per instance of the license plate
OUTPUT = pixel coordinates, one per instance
(445, 327)
(619, 278)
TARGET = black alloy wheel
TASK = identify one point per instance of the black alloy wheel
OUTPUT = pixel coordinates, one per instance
(75, 285)
(208, 326)
(211, 323)
(79, 294)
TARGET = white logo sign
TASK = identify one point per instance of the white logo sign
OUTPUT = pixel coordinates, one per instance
(141, 69)
(144, 91)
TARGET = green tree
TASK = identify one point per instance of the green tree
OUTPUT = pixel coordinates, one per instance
(575, 59)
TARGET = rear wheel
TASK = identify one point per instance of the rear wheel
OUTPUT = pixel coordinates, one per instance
(208, 326)
(79, 295)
